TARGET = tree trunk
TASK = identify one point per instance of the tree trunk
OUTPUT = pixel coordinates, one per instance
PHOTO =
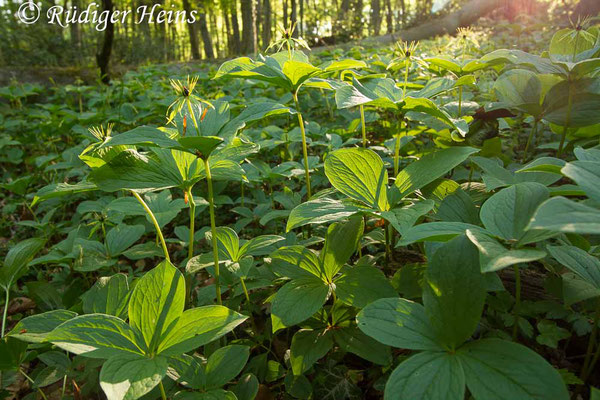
(206, 39)
(103, 57)
(586, 8)
(235, 25)
(266, 24)
(248, 25)
(192, 32)
(294, 16)
(285, 14)
(301, 25)
(375, 17)
(257, 21)
(389, 17)
(76, 34)
(467, 15)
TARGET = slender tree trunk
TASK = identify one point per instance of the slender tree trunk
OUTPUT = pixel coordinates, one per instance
(213, 27)
(389, 20)
(235, 29)
(266, 24)
(301, 30)
(76, 33)
(294, 16)
(375, 17)
(248, 25)
(103, 57)
(342, 17)
(285, 14)
(206, 39)
(227, 29)
(192, 32)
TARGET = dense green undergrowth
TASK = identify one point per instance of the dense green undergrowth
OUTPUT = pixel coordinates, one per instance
(418, 222)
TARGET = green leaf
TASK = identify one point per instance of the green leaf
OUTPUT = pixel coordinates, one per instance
(402, 219)
(122, 236)
(308, 346)
(157, 302)
(586, 266)
(428, 376)
(97, 336)
(507, 213)
(398, 323)
(575, 289)
(430, 167)
(246, 388)
(454, 292)
(201, 146)
(147, 136)
(296, 262)
(225, 364)
(587, 175)
(520, 89)
(12, 354)
(227, 241)
(55, 190)
(259, 246)
(197, 327)
(494, 257)
(551, 334)
(353, 340)
(298, 300)
(189, 371)
(16, 260)
(320, 211)
(515, 371)
(109, 295)
(129, 377)
(559, 214)
(35, 328)
(340, 243)
(215, 394)
(436, 232)
(359, 173)
(361, 285)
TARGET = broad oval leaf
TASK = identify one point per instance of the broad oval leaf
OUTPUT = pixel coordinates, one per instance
(360, 174)
(157, 302)
(398, 323)
(129, 377)
(515, 371)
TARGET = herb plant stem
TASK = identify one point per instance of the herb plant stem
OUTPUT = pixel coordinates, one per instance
(163, 395)
(460, 96)
(245, 289)
(587, 366)
(567, 122)
(155, 222)
(532, 133)
(304, 149)
(363, 125)
(33, 382)
(192, 222)
(4, 313)
(213, 229)
(517, 307)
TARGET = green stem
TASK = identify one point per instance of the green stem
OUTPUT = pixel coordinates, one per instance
(531, 135)
(517, 307)
(567, 122)
(213, 230)
(405, 79)
(245, 290)
(397, 155)
(304, 149)
(460, 95)
(189, 104)
(64, 387)
(163, 395)
(155, 222)
(32, 382)
(592, 364)
(192, 222)
(4, 313)
(363, 125)
(587, 367)
(388, 252)
(242, 199)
